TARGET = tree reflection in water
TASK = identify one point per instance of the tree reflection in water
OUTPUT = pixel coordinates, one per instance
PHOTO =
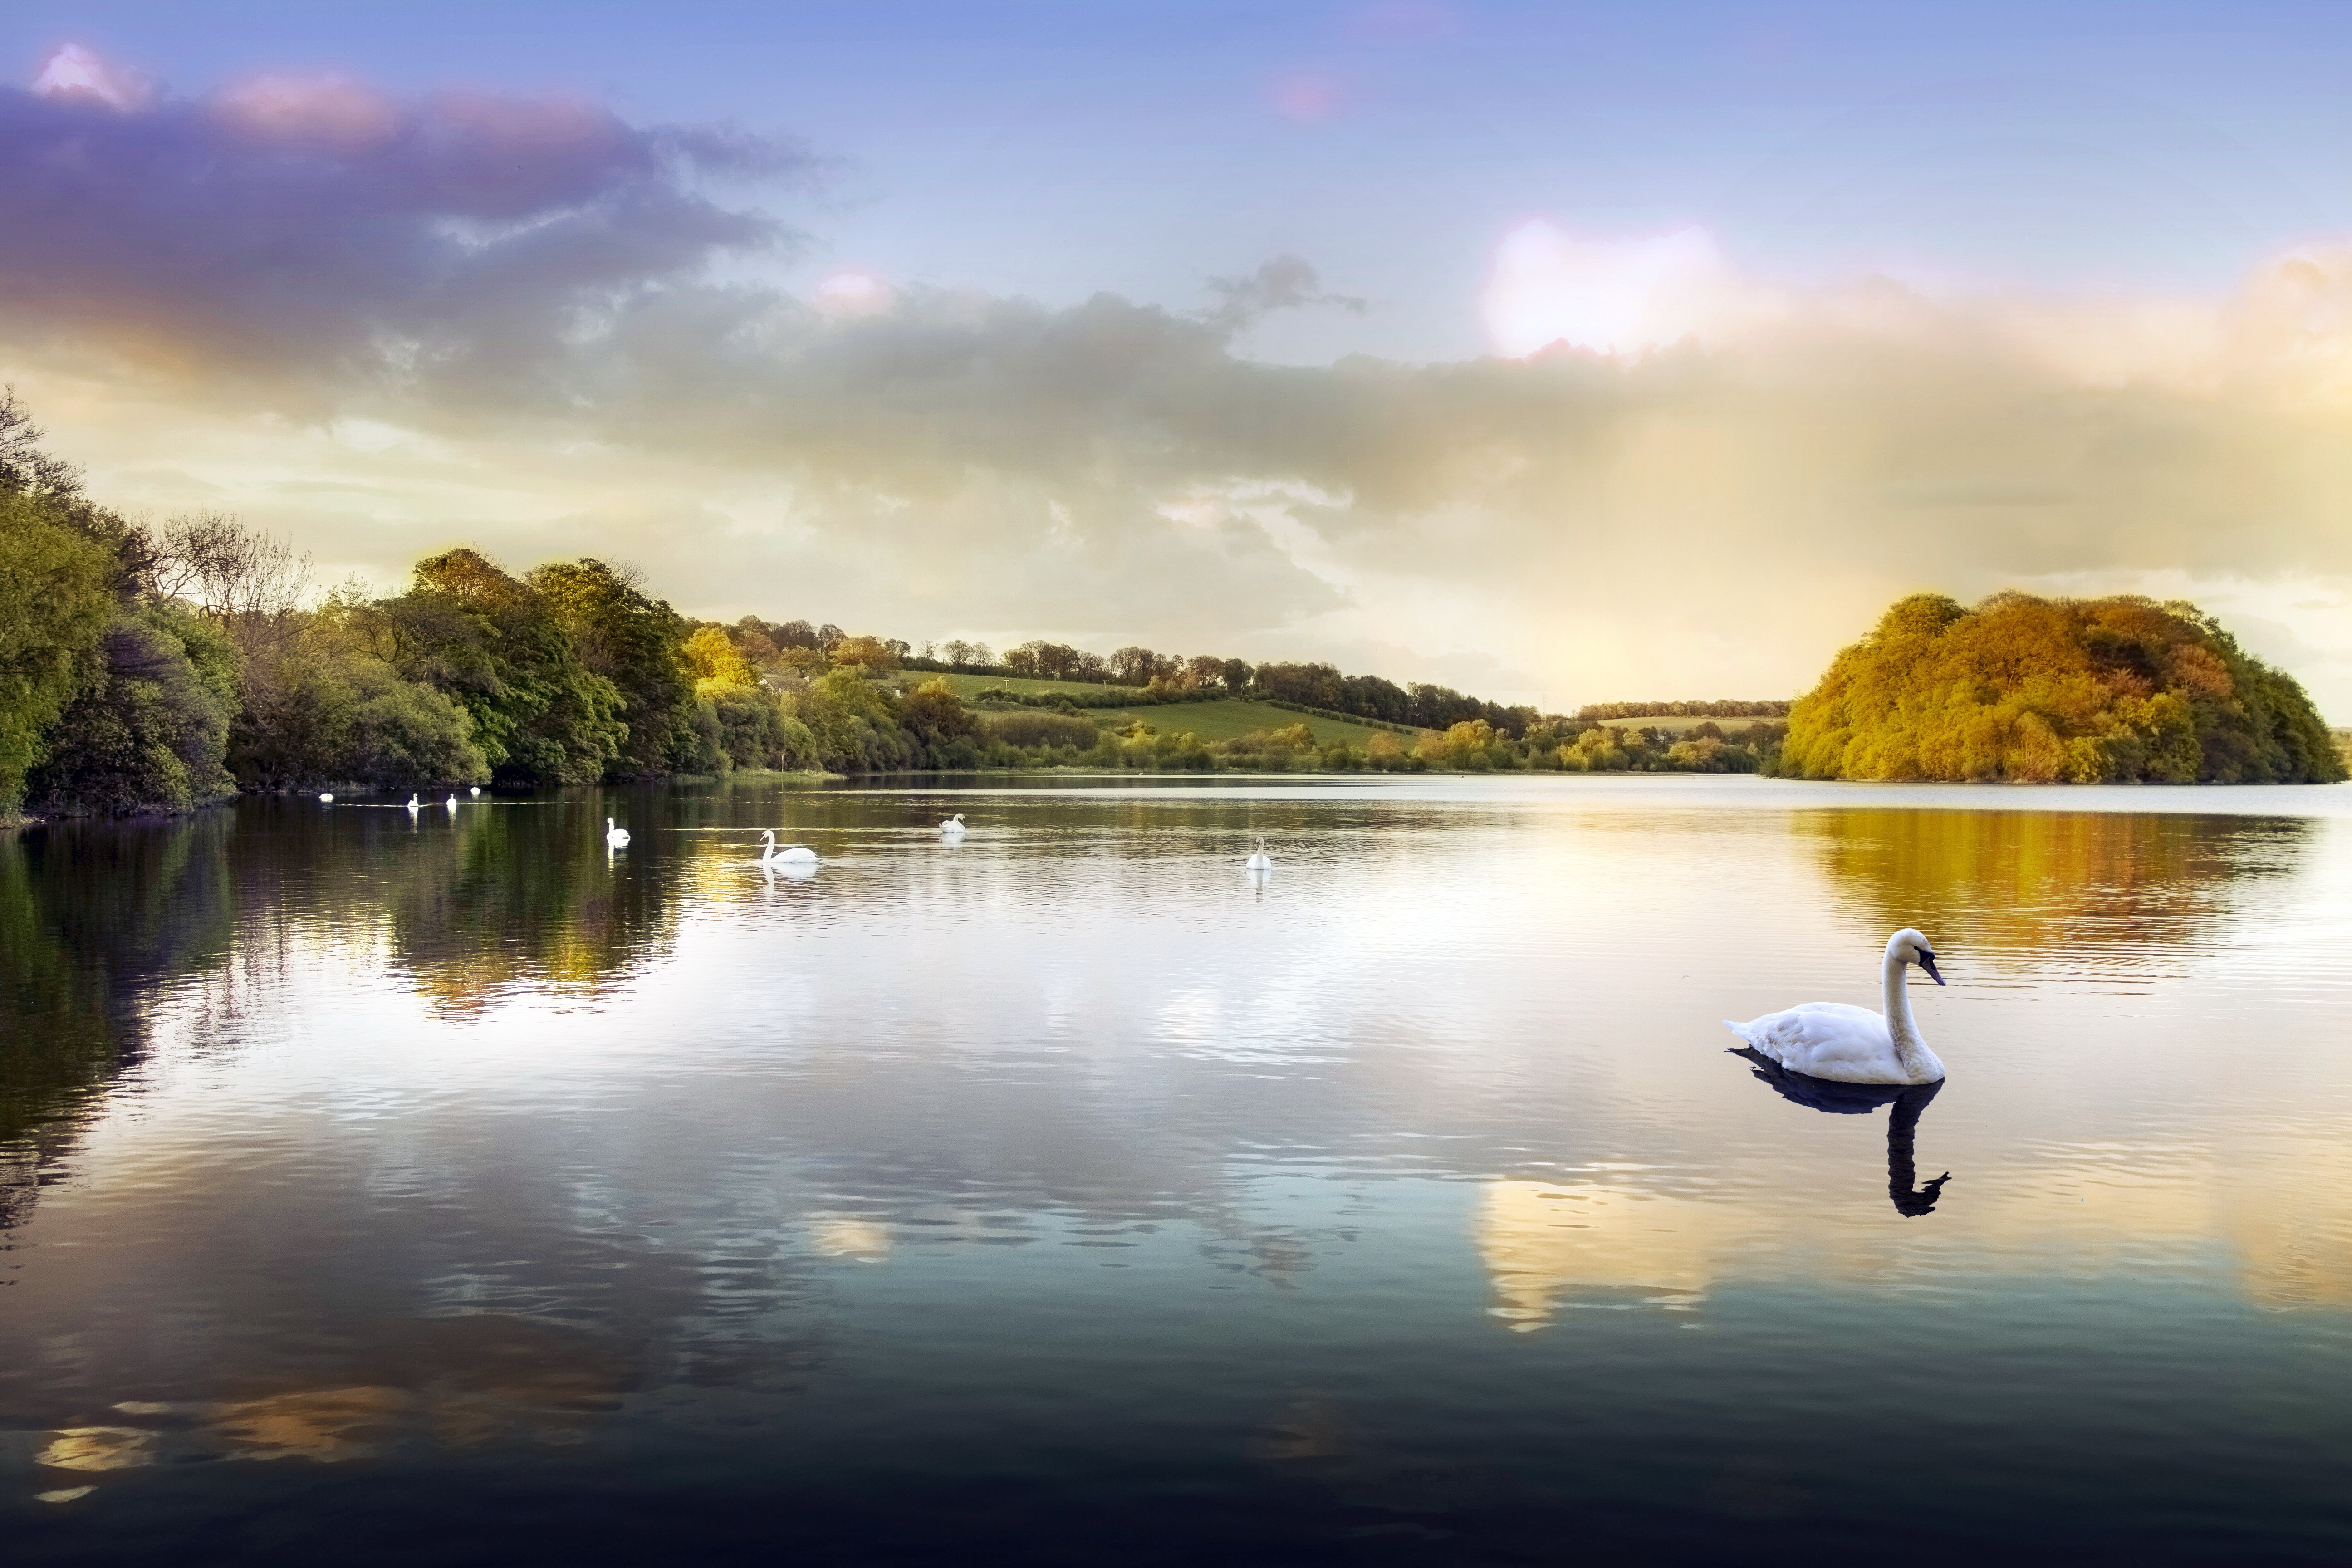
(98, 920)
(1902, 1187)
(91, 919)
(2094, 889)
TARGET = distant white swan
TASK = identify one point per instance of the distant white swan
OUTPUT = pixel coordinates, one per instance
(411, 802)
(952, 827)
(790, 855)
(327, 797)
(451, 801)
(614, 836)
(476, 792)
(1854, 1045)
(1259, 859)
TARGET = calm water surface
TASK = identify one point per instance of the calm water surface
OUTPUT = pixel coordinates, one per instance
(443, 1189)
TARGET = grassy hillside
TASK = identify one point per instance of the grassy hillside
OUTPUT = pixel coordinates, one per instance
(971, 686)
(1683, 723)
(1210, 721)
(1223, 721)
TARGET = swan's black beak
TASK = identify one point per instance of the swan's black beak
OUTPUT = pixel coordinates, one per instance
(1928, 963)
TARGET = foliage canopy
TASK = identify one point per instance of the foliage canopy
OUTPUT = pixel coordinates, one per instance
(2116, 690)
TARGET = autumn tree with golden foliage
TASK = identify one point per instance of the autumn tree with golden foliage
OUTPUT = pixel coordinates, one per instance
(2118, 690)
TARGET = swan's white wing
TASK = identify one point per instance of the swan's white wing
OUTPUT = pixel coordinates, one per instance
(1827, 1039)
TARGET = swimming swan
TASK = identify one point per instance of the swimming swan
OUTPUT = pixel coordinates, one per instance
(451, 801)
(614, 836)
(1854, 1045)
(790, 855)
(476, 792)
(952, 827)
(327, 798)
(411, 802)
(1260, 860)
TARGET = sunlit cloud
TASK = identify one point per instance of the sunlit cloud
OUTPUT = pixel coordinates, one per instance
(328, 111)
(1610, 294)
(852, 292)
(74, 72)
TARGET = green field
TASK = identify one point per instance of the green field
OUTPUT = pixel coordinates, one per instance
(1210, 721)
(1223, 721)
(971, 686)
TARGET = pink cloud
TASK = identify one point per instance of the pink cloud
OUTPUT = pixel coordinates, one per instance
(332, 111)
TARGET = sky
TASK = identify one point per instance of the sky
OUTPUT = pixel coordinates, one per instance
(1559, 352)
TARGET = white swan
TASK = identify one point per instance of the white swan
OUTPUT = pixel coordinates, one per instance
(451, 801)
(790, 855)
(411, 802)
(327, 797)
(1854, 1045)
(1259, 859)
(952, 827)
(476, 792)
(614, 836)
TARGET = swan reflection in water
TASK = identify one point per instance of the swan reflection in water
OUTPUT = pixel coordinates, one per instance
(1902, 1186)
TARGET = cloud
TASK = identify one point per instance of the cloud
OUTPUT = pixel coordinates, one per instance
(1285, 283)
(315, 227)
(1615, 295)
(1674, 497)
(74, 72)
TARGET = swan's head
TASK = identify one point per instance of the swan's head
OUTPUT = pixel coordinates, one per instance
(769, 833)
(608, 825)
(1907, 946)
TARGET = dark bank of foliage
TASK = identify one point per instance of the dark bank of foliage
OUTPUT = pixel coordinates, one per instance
(2118, 690)
(160, 668)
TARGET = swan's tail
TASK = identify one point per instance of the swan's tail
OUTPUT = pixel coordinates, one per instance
(1739, 1029)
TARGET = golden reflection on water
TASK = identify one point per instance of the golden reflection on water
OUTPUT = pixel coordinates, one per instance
(839, 1236)
(2281, 1215)
(460, 1382)
(2011, 884)
(1548, 1245)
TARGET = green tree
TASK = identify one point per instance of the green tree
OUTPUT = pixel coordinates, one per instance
(328, 710)
(149, 727)
(55, 602)
(853, 724)
(496, 646)
(632, 641)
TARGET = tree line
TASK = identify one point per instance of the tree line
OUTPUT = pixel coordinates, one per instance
(1685, 707)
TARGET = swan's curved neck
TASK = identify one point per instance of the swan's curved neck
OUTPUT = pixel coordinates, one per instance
(1909, 1049)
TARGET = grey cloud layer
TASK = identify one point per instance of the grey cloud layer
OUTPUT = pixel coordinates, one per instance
(538, 274)
(350, 233)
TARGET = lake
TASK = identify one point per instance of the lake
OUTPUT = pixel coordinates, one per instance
(444, 1189)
